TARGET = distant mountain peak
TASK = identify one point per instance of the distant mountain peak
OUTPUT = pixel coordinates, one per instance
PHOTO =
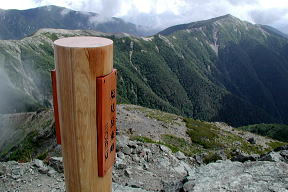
(222, 19)
(52, 16)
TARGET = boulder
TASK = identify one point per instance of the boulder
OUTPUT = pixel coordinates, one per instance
(56, 163)
(235, 176)
(242, 158)
(251, 140)
(272, 156)
(179, 155)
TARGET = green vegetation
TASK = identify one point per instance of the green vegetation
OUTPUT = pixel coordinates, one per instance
(207, 137)
(148, 140)
(167, 118)
(274, 131)
(30, 134)
(202, 133)
(275, 144)
(181, 144)
(210, 137)
(211, 157)
(143, 139)
(24, 151)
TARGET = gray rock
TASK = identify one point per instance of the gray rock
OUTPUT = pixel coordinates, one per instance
(56, 163)
(132, 144)
(188, 186)
(180, 169)
(284, 147)
(41, 167)
(165, 149)
(38, 163)
(120, 188)
(2, 170)
(121, 166)
(284, 154)
(251, 140)
(126, 150)
(121, 155)
(172, 186)
(163, 162)
(128, 172)
(51, 172)
(237, 143)
(272, 156)
(43, 170)
(179, 155)
(199, 158)
(145, 166)
(242, 158)
(17, 171)
(135, 158)
(146, 150)
(235, 176)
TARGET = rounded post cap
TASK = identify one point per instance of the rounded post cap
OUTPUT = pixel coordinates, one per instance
(83, 42)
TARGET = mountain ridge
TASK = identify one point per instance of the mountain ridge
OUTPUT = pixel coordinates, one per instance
(215, 72)
(16, 24)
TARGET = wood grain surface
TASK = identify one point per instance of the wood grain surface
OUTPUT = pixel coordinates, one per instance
(79, 61)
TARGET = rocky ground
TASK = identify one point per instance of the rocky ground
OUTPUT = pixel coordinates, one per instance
(153, 167)
(139, 121)
(147, 163)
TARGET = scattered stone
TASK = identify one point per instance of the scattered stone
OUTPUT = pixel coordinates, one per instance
(163, 162)
(2, 170)
(199, 158)
(41, 166)
(180, 155)
(38, 163)
(284, 154)
(132, 145)
(180, 169)
(51, 172)
(56, 163)
(237, 143)
(284, 147)
(127, 172)
(172, 186)
(235, 176)
(165, 149)
(126, 150)
(272, 156)
(145, 167)
(188, 186)
(251, 140)
(121, 155)
(135, 158)
(43, 170)
(121, 166)
(242, 158)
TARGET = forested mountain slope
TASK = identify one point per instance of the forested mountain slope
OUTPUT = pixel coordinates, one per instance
(222, 69)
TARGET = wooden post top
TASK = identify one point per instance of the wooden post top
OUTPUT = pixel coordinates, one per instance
(83, 42)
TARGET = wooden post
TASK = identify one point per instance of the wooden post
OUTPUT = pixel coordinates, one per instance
(79, 61)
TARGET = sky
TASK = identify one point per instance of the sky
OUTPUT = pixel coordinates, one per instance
(165, 13)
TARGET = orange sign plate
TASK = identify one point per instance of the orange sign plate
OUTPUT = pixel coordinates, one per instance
(106, 121)
(55, 105)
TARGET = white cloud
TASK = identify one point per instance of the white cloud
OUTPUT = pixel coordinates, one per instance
(163, 13)
(13, 4)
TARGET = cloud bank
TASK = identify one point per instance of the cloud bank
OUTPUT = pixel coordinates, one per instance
(164, 13)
